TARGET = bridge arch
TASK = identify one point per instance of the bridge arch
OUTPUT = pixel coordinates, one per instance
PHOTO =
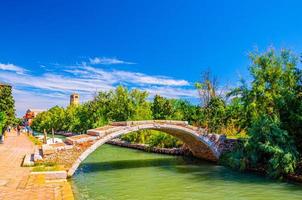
(201, 145)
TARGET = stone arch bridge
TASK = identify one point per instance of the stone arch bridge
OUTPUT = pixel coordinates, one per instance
(201, 144)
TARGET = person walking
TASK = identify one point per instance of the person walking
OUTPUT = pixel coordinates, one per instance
(18, 129)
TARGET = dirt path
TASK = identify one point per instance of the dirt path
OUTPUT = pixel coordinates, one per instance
(16, 181)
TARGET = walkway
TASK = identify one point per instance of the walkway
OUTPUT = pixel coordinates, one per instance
(16, 181)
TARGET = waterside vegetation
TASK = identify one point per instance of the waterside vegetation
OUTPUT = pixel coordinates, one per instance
(265, 111)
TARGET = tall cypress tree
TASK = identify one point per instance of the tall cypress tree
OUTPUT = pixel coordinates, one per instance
(7, 104)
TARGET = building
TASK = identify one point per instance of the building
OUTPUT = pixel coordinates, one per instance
(30, 115)
(74, 99)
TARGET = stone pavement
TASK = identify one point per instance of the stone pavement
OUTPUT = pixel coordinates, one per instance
(16, 181)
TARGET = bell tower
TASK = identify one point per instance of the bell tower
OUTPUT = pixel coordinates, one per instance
(74, 99)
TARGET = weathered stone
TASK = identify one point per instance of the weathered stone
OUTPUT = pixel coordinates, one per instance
(78, 139)
(37, 155)
(48, 149)
(27, 162)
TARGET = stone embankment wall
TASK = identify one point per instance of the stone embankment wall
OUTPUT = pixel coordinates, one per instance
(228, 145)
(147, 148)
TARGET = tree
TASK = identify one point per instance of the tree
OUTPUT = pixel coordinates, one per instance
(120, 105)
(142, 108)
(215, 113)
(7, 104)
(271, 111)
(184, 110)
(57, 115)
(161, 108)
(207, 87)
(2, 122)
(271, 146)
(275, 91)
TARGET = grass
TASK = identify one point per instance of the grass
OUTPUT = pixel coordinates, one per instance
(35, 140)
(41, 167)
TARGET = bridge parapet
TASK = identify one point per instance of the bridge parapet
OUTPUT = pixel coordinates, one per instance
(136, 123)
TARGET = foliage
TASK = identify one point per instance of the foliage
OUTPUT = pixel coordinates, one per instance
(7, 104)
(214, 114)
(153, 139)
(267, 112)
(35, 140)
(185, 111)
(271, 146)
(161, 108)
(270, 109)
(163, 140)
(207, 87)
(2, 122)
(268, 148)
(115, 105)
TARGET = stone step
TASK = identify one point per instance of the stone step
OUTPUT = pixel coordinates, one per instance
(47, 149)
(78, 139)
(37, 154)
(51, 175)
(103, 132)
(28, 161)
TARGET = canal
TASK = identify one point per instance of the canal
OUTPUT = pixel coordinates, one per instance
(123, 174)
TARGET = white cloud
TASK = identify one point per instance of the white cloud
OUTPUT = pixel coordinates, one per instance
(108, 61)
(172, 92)
(53, 88)
(140, 78)
(119, 76)
(11, 67)
(55, 82)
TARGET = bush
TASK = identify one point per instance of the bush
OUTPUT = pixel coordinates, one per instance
(271, 146)
(268, 147)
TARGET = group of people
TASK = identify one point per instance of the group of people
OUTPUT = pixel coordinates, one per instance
(17, 129)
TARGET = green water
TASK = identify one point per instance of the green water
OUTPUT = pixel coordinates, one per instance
(120, 174)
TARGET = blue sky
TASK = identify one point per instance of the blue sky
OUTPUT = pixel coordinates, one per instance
(49, 49)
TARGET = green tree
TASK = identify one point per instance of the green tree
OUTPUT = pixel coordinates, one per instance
(57, 115)
(140, 105)
(120, 107)
(161, 108)
(275, 82)
(271, 113)
(270, 146)
(7, 104)
(215, 113)
(2, 122)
